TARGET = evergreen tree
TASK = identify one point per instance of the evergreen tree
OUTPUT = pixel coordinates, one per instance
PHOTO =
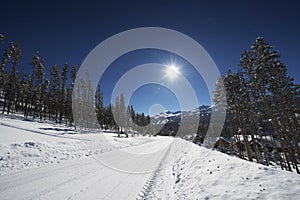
(219, 95)
(54, 92)
(10, 87)
(3, 76)
(63, 82)
(72, 96)
(262, 100)
(128, 118)
(100, 111)
(122, 113)
(40, 89)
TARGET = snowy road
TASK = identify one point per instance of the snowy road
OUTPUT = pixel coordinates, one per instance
(103, 166)
(91, 177)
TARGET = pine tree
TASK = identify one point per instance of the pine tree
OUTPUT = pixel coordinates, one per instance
(109, 118)
(128, 118)
(54, 92)
(219, 95)
(262, 99)
(91, 106)
(117, 114)
(122, 112)
(62, 97)
(10, 88)
(3, 76)
(40, 87)
(234, 85)
(72, 96)
(100, 111)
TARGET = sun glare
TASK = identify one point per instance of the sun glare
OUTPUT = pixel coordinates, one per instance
(172, 72)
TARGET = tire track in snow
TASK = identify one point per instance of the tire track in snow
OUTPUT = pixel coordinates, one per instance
(148, 187)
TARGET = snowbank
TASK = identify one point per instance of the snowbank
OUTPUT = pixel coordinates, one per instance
(201, 173)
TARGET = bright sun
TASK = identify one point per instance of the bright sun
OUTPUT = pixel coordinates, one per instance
(172, 72)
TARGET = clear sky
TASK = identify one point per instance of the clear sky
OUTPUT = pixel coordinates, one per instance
(66, 31)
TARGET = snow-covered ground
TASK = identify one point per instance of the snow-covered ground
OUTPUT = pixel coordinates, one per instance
(27, 143)
(205, 174)
(50, 161)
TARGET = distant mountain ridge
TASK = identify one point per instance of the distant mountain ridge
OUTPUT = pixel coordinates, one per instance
(173, 117)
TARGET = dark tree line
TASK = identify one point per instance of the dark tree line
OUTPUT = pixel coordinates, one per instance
(50, 98)
(263, 107)
(31, 93)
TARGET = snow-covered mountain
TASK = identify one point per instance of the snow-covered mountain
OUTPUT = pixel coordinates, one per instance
(175, 117)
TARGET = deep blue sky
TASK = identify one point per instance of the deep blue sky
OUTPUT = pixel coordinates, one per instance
(66, 31)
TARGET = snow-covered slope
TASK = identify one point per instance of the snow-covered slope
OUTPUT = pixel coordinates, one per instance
(201, 173)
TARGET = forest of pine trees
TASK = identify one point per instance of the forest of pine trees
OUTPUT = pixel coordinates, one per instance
(263, 107)
(50, 98)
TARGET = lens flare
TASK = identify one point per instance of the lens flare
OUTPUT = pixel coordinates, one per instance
(172, 72)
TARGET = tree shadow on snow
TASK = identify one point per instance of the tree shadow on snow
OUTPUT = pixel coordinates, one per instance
(42, 133)
(66, 130)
